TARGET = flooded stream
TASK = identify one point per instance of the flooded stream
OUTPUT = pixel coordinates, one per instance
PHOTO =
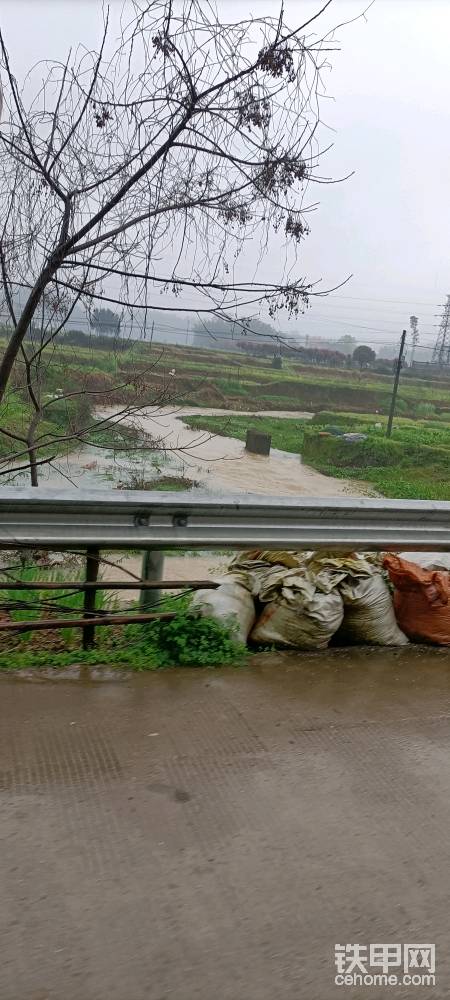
(218, 464)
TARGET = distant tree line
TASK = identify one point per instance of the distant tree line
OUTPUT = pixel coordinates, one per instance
(305, 355)
(78, 338)
(218, 334)
(105, 321)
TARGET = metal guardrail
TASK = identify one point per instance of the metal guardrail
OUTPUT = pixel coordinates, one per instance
(131, 519)
(91, 521)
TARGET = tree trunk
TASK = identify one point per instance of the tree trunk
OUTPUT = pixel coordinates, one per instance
(22, 325)
(33, 465)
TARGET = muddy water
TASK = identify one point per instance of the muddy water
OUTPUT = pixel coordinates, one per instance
(221, 464)
(218, 464)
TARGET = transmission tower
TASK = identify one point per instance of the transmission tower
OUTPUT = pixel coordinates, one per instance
(441, 352)
(414, 324)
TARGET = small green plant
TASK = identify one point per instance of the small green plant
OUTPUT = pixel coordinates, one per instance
(187, 640)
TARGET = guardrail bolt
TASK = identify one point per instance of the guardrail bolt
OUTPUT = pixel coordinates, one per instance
(180, 520)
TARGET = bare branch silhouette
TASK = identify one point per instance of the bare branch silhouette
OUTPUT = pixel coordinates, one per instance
(137, 174)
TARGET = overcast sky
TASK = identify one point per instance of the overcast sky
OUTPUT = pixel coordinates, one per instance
(388, 117)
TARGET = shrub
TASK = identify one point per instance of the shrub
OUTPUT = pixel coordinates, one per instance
(425, 410)
(186, 641)
(375, 452)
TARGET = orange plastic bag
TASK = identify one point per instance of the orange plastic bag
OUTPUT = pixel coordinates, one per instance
(421, 600)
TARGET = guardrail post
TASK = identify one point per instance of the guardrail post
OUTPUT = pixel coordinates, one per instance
(90, 595)
(152, 570)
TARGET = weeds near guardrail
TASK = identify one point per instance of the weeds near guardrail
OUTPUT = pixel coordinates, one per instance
(184, 640)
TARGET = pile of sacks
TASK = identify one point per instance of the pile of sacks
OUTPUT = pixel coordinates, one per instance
(302, 600)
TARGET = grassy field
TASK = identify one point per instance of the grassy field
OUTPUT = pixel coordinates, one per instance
(286, 434)
(15, 415)
(234, 380)
(241, 382)
(413, 464)
(405, 467)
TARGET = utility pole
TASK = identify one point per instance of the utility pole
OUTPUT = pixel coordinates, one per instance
(395, 386)
(151, 335)
(414, 324)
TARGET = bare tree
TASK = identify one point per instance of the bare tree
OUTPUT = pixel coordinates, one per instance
(134, 176)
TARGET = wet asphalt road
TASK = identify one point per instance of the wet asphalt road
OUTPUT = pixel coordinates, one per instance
(192, 835)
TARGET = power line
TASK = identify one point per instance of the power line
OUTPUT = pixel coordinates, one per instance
(343, 322)
(349, 317)
(367, 305)
(277, 335)
(401, 302)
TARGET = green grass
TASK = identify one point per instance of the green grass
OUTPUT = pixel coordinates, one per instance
(413, 464)
(286, 434)
(311, 388)
(187, 640)
(38, 602)
(173, 484)
(407, 483)
(431, 432)
(15, 415)
(237, 376)
(233, 387)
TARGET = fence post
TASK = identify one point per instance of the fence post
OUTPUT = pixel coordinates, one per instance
(152, 569)
(90, 596)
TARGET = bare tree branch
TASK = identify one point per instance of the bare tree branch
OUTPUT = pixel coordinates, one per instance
(167, 152)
